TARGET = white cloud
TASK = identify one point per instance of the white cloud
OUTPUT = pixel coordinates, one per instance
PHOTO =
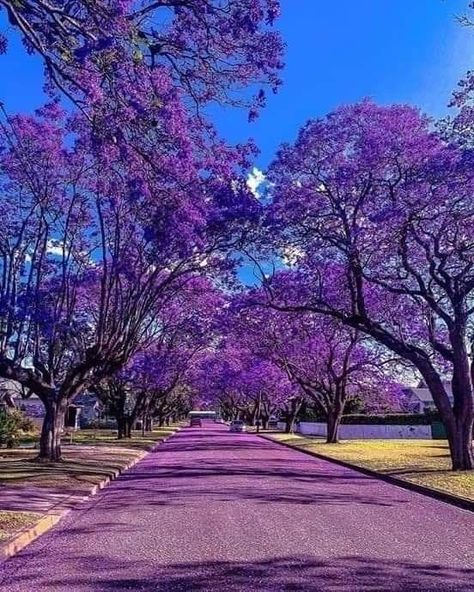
(291, 256)
(254, 180)
(55, 248)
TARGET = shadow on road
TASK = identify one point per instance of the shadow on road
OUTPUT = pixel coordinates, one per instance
(232, 513)
(283, 574)
(195, 468)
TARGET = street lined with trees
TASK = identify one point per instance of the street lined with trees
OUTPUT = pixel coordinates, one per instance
(127, 220)
(146, 264)
(111, 209)
(258, 517)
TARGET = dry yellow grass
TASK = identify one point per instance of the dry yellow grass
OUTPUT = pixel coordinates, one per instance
(93, 456)
(103, 437)
(12, 522)
(420, 461)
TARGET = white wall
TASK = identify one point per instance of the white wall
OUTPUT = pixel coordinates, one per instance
(369, 432)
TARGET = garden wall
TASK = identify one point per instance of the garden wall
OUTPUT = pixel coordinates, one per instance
(368, 432)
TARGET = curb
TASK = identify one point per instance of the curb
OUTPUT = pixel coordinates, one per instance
(52, 517)
(448, 498)
(28, 535)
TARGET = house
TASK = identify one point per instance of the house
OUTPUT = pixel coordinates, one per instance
(85, 409)
(89, 409)
(13, 395)
(419, 398)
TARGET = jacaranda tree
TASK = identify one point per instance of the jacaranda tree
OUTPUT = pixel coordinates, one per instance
(97, 242)
(103, 51)
(332, 364)
(112, 208)
(378, 210)
(241, 384)
(155, 382)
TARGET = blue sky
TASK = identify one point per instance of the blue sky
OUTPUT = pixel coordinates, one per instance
(410, 51)
(340, 51)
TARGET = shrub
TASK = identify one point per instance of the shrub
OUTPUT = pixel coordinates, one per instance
(389, 419)
(386, 419)
(13, 425)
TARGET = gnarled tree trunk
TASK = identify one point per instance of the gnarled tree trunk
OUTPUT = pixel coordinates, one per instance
(129, 421)
(459, 429)
(290, 424)
(333, 423)
(120, 419)
(460, 445)
(291, 414)
(51, 431)
(459, 419)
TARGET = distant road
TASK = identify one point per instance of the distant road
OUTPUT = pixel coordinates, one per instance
(221, 512)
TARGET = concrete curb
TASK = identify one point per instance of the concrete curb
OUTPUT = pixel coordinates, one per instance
(52, 517)
(28, 535)
(437, 494)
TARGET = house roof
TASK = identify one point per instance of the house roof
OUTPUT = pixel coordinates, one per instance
(423, 394)
(10, 386)
(86, 400)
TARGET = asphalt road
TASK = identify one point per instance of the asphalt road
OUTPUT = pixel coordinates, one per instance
(214, 511)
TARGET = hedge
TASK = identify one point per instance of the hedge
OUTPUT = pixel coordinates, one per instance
(387, 419)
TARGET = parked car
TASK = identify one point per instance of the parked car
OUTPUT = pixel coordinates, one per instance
(237, 426)
(195, 422)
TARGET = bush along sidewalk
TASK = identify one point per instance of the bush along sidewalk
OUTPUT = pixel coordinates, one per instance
(14, 427)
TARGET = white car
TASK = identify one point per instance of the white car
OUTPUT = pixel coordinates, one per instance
(237, 426)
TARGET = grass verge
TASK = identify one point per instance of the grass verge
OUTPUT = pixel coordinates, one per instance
(92, 456)
(424, 462)
(13, 522)
(102, 437)
(33, 496)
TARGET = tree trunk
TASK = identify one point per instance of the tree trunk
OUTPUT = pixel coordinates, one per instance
(50, 439)
(293, 409)
(120, 426)
(149, 423)
(460, 430)
(459, 419)
(333, 423)
(128, 427)
(290, 424)
(253, 415)
(459, 434)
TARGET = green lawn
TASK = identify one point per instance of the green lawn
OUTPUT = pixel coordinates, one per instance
(420, 461)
